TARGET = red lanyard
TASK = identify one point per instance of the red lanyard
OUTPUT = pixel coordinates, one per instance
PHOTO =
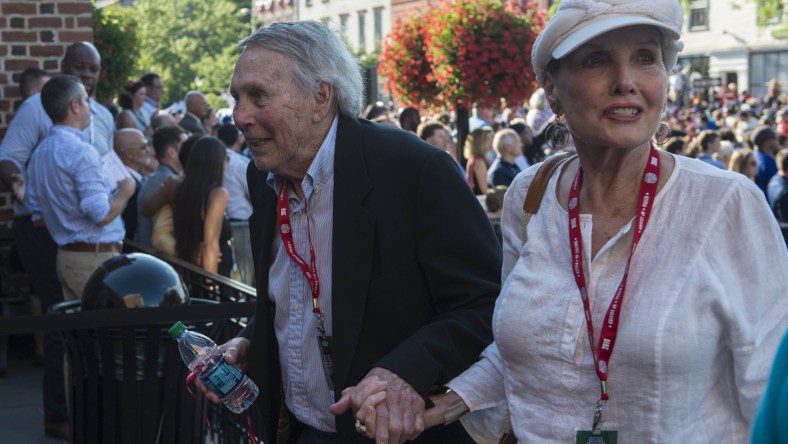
(309, 270)
(607, 335)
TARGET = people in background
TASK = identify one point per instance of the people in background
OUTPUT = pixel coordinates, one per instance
(508, 146)
(203, 234)
(31, 81)
(154, 89)
(196, 109)
(131, 100)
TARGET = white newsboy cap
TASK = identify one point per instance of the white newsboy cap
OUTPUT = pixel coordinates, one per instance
(578, 21)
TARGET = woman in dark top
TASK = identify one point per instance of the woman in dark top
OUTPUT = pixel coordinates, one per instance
(202, 230)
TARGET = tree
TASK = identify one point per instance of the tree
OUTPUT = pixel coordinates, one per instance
(463, 52)
(116, 42)
(191, 44)
(404, 64)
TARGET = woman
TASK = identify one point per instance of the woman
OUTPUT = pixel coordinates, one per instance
(477, 145)
(743, 162)
(131, 101)
(202, 230)
(702, 312)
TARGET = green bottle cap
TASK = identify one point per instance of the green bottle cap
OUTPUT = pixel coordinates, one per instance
(176, 330)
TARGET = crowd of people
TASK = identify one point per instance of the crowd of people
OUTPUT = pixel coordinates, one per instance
(382, 289)
(86, 176)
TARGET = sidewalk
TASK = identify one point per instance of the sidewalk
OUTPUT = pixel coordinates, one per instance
(21, 408)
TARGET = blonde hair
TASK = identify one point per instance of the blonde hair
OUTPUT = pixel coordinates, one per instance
(740, 160)
(474, 144)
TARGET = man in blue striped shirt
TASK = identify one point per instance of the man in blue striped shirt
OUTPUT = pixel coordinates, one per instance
(36, 248)
(66, 189)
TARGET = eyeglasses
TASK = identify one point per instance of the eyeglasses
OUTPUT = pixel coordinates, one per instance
(141, 146)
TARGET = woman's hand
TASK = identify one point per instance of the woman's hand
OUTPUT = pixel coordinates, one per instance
(437, 414)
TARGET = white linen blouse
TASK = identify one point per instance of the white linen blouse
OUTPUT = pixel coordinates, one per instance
(704, 311)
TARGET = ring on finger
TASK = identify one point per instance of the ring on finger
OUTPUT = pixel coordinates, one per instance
(360, 427)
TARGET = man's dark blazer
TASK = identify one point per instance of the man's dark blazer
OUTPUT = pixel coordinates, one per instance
(191, 124)
(416, 269)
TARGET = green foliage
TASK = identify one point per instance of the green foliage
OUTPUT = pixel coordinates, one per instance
(770, 12)
(116, 41)
(191, 44)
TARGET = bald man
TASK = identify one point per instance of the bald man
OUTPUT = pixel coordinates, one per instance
(37, 249)
(133, 150)
(196, 109)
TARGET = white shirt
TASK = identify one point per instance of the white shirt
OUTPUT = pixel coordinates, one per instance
(705, 309)
(238, 206)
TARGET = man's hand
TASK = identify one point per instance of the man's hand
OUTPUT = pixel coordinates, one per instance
(234, 354)
(400, 418)
(18, 187)
(126, 187)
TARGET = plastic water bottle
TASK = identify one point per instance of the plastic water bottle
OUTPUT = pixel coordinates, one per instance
(206, 360)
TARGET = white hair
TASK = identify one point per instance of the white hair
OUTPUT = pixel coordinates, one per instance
(319, 55)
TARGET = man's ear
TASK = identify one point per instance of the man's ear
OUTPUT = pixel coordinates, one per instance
(73, 107)
(324, 101)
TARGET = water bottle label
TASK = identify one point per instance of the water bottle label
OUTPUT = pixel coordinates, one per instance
(223, 378)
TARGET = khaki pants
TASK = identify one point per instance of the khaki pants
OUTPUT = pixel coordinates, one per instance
(74, 268)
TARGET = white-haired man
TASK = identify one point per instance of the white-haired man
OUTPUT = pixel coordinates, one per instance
(355, 267)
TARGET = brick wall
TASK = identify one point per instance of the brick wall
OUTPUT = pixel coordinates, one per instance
(35, 33)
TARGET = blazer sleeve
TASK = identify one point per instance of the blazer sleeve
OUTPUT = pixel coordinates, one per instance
(460, 258)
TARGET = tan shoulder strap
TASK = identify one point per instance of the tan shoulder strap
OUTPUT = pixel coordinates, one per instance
(533, 198)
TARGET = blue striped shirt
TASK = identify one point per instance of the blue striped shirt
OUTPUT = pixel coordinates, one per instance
(307, 393)
(65, 186)
(31, 126)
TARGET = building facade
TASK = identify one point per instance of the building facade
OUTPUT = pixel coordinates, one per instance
(724, 44)
(35, 34)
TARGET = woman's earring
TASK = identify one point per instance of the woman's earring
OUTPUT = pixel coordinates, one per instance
(557, 132)
(663, 134)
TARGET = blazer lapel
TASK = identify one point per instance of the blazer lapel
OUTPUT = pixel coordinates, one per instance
(353, 239)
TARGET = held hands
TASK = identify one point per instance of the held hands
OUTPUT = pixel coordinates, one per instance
(386, 405)
(234, 354)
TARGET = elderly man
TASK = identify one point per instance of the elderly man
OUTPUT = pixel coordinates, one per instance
(132, 149)
(67, 190)
(196, 110)
(36, 248)
(360, 281)
(508, 147)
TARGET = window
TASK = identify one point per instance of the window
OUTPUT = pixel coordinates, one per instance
(699, 15)
(378, 25)
(362, 36)
(765, 66)
(343, 19)
(309, 2)
(325, 20)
